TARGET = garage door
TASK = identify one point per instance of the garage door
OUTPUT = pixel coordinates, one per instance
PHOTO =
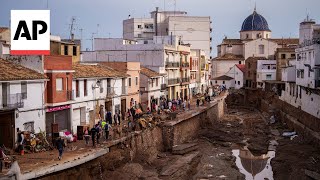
(76, 119)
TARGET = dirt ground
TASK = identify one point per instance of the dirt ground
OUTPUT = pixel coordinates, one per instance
(239, 128)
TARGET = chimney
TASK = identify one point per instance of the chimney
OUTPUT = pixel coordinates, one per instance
(72, 37)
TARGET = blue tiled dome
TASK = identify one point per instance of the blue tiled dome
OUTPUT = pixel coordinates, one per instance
(255, 22)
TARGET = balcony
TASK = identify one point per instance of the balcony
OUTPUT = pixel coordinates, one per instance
(185, 80)
(70, 95)
(163, 87)
(110, 91)
(172, 65)
(184, 65)
(173, 81)
(12, 101)
(124, 90)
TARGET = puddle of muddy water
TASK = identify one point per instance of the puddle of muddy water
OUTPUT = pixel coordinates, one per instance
(254, 167)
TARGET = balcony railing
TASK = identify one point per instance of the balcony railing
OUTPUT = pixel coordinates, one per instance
(173, 81)
(70, 95)
(12, 101)
(110, 91)
(172, 64)
(163, 86)
(185, 80)
(124, 90)
(184, 65)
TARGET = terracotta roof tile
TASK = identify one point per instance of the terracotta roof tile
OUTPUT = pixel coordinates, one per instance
(10, 71)
(255, 58)
(286, 49)
(229, 57)
(223, 77)
(2, 29)
(148, 72)
(120, 66)
(95, 70)
(232, 41)
(286, 41)
(242, 67)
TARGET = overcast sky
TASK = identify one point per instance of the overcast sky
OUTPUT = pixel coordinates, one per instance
(283, 16)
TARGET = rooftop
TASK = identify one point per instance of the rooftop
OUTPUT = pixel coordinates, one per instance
(286, 41)
(10, 71)
(242, 67)
(95, 70)
(148, 72)
(231, 41)
(256, 58)
(223, 77)
(2, 29)
(229, 57)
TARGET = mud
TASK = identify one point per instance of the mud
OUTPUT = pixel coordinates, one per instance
(243, 129)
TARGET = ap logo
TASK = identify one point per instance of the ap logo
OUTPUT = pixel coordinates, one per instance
(30, 32)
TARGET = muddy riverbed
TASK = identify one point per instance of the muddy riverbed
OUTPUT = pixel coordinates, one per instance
(242, 145)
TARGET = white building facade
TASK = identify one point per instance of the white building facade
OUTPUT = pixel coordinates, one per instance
(303, 90)
(22, 103)
(266, 71)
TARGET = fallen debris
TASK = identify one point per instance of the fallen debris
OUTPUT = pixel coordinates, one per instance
(182, 149)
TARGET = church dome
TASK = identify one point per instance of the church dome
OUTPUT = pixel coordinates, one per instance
(255, 22)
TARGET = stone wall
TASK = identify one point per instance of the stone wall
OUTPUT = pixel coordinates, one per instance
(183, 130)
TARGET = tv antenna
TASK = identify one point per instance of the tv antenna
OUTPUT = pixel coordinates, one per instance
(72, 27)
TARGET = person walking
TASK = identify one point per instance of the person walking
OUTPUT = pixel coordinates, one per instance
(93, 135)
(60, 144)
(115, 117)
(86, 135)
(109, 117)
(119, 117)
(98, 128)
(106, 130)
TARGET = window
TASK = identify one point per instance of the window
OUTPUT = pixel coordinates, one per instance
(216, 82)
(24, 90)
(269, 67)
(238, 82)
(157, 82)
(59, 84)
(139, 35)
(74, 50)
(247, 36)
(267, 36)
(298, 73)
(85, 89)
(223, 82)
(129, 82)
(151, 82)
(249, 65)
(145, 42)
(293, 55)
(77, 88)
(65, 50)
(139, 26)
(239, 62)
(137, 81)
(283, 56)
(302, 73)
(268, 76)
(261, 49)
